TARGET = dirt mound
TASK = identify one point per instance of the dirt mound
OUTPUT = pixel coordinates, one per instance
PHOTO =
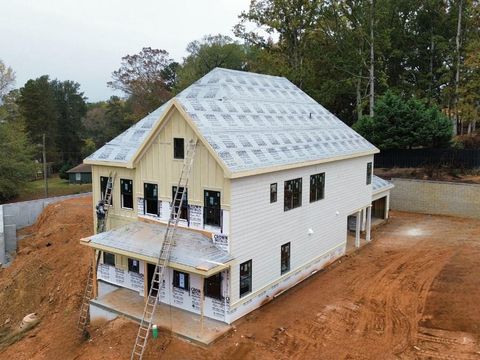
(48, 274)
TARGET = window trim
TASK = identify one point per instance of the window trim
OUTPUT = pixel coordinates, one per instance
(175, 139)
(107, 262)
(122, 202)
(299, 195)
(176, 276)
(248, 277)
(282, 271)
(322, 190)
(273, 193)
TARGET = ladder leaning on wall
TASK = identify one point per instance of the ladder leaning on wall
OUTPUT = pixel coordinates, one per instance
(101, 227)
(163, 259)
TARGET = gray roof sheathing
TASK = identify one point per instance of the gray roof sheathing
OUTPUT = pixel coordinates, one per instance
(379, 184)
(191, 248)
(251, 121)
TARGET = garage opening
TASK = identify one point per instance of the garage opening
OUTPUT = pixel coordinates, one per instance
(379, 209)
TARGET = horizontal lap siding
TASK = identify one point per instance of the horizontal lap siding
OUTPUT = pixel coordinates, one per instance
(259, 228)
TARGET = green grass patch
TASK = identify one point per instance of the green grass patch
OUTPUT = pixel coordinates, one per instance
(56, 187)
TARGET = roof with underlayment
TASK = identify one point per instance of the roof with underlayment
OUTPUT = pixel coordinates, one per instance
(379, 184)
(251, 121)
(191, 248)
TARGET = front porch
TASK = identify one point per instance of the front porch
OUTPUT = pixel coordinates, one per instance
(185, 324)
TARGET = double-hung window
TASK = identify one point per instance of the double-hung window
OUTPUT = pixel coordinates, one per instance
(212, 209)
(133, 265)
(292, 194)
(150, 194)
(369, 173)
(273, 193)
(126, 193)
(108, 258)
(181, 280)
(178, 148)
(285, 258)
(213, 286)
(317, 187)
(245, 278)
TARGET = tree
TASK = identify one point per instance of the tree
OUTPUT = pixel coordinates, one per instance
(293, 21)
(405, 124)
(146, 78)
(16, 165)
(7, 79)
(207, 54)
(37, 104)
(71, 107)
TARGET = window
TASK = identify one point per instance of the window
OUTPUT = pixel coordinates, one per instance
(317, 187)
(184, 210)
(285, 258)
(293, 194)
(181, 280)
(103, 188)
(178, 148)
(212, 211)
(78, 177)
(369, 173)
(213, 286)
(150, 194)
(133, 265)
(126, 191)
(245, 278)
(108, 258)
(273, 193)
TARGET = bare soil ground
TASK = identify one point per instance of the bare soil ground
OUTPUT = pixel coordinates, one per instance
(412, 293)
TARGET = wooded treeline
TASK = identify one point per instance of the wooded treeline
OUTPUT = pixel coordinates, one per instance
(404, 73)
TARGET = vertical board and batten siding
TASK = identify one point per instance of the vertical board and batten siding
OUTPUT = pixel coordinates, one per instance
(158, 166)
(259, 228)
(117, 216)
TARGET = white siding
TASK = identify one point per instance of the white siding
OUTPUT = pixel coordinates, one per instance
(259, 228)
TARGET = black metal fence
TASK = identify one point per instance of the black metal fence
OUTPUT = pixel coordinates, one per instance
(455, 158)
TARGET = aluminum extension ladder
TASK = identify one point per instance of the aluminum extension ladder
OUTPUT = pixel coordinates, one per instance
(107, 201)
(101, 227)
(163, 259)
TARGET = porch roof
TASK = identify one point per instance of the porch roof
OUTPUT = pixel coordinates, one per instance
(192, 251)
(379, 185)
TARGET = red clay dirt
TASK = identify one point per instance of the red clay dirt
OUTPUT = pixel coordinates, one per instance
(412, 293)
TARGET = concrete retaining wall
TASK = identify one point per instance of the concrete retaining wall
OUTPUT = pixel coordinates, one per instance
(19, 215)
(436, 197)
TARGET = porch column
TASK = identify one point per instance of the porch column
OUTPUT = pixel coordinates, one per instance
(202, 301)
(357, 228)
(387, 205)
(369, 223)
(94, 272)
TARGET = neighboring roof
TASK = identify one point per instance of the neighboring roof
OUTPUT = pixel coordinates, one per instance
(379, 184)
(251, 121)
(82, 168)
(191, 248)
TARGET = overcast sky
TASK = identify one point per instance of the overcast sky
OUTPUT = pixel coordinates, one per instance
(84, 40)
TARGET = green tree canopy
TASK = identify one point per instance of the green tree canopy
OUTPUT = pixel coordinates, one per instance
(405, 124)
(16, 165)
(207, 54)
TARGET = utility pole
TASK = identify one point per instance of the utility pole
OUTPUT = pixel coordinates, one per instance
(45, 167)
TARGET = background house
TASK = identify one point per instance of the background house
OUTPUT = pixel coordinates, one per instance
(80, 174)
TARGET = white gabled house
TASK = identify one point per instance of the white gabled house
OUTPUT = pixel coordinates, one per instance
(275, 181)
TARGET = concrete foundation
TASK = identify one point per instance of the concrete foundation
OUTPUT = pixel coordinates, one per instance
(436, 197)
